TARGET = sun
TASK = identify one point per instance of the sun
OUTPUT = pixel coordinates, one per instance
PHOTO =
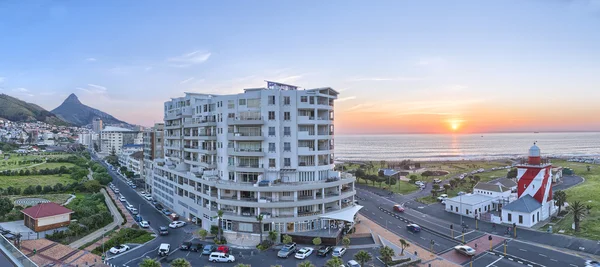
(455, 124)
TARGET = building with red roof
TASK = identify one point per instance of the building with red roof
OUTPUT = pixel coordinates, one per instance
(46, 216)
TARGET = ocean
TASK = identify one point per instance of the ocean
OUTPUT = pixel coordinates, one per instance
(432, 147)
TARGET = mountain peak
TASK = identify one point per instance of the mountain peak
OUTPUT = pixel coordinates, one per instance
(72, 99)
(77, 113)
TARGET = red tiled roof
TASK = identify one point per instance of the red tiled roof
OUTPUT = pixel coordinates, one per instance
(45, 210)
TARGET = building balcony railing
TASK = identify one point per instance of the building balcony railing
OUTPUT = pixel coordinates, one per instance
(249, 165)
(309, 213)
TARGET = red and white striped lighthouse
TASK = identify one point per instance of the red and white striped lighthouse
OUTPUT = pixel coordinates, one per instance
(535, 179)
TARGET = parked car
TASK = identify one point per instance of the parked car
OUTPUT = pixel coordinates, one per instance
(352, 263)
(185, 245)
(163, 249)
(163, 230)
(287, 250)
(220, 257)
(129, 206)
(413, 228)
(398, 208)
(134, 211)
(122, 199)
(461, 193)
(303, 253)
(592, 263)
(166, 212)
(465, 250)
(148, 197)
(144, 224)
(158, 206)
(208, 249)
(138, 218)
(323, 251)
(338, 252)
(117, 191)
(437, 181)
(195, 247)
(119, 249)
(224, 249)
(177, 224)
(442, 197)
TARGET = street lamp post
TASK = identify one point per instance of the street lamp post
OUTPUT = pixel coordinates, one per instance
(460, 211)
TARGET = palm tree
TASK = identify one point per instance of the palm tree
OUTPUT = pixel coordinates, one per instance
(259, 218)
(435, 189)
(588, 208)
(346, 242)
(560, 197)
(180, 262)
(579, 212)
(149, 263)
(305, 264)
(362, 257)
(446, 188)
(334, 262)
(220, 216)
(453, 183)
(404, 245)
(386, 254)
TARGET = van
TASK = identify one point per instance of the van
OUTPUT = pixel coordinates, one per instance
(163, 249)
(220, 257)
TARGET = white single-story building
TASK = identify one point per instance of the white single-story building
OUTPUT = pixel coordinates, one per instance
(492, 190)
(557, 174)
(470, 204)
(524, 211)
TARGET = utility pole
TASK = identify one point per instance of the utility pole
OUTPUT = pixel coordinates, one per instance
(490, 238)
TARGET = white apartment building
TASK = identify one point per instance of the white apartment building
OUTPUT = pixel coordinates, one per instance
(115, 137)
(266, 151)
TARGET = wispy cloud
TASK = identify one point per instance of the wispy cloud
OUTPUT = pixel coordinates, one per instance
(189, 59)
(187, 80)
(345, 98)
(361, 106)
(93, 89)
(383, 79)
(90, 59)
(290, 79)
(430, 61)
(21, 90)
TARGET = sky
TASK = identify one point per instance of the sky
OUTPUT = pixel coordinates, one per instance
(400, 66)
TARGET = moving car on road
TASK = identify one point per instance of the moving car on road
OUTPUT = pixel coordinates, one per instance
(287, 250)
(303, 253)
(163, 249)
(119, 249)
(163, 230)
(323, 251)
(220, 257)
(413, 228)
(398, 208)
(338, 252)
(177, 224)
(144, 224)
(465, 250)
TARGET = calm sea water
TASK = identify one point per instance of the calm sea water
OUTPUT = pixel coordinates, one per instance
(464, 146)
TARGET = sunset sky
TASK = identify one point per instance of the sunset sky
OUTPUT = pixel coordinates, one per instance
(400, 66)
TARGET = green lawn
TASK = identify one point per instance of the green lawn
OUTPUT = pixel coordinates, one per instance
(15, 158)
(466, 187)
(587, 193)
(401, 187)
(53, 165)
(25, 181)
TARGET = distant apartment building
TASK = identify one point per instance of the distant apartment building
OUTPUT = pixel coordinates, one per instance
(267, 151)
(97, 125)
(115, 137)
(153, 149)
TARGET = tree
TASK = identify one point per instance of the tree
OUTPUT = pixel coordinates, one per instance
(92, 186)
(404, 245)
(306, 264)
(259, 218)
(372, 178)
(512, 173)
(287, 239)
(363, 257)
(149, 263)
(446, 188)
(5, 206)
(589, 168)
(334, 262)
(579, 212)
(202, 233)
(317, 241)
(588, 208)
(95, 147)
(273, 235)
(180, 262)
(453, 183)
(346, 242)
(386, 254)
(360, 173)
(380, 179)
(47, 189)
(220, 216)
(560, 197)
(413, 179)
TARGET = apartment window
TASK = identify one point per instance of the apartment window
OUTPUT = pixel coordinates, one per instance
(231, 115)
(287, 131)
(271, 100)
(286, 116)
(242, 102)
(271, 131)
(271, 163)
(245, 227)
(287, 146)
(312, 100)
(286, 100)
(271, 115)
(230, 104)
(303, 99)
(287, 162)
(287, 194)
(510, 217)
(271, 147)
(521, 219)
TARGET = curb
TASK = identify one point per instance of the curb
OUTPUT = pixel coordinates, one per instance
(424, 228)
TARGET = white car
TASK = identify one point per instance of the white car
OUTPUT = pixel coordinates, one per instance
(220, 257)
(303, 253)
(119, 249)
(117, 191)
(144, 224)
(466, 250)
(122, 199)
(148, 197)
(129, 206)
(352, 263)
(143, 194)
(177, 224)
(442, 197)
(338, 252)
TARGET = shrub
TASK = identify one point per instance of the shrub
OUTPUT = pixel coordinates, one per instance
(214, 230)
(265, 244)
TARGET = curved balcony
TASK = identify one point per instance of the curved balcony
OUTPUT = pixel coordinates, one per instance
(281, 187)
(258, 152)
(245, 137)
(270, 203)
(246, 121)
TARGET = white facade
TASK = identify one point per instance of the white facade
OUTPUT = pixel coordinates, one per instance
(471, 205)
(523, 219)
(115, 137)
(62, 218)
(264, 151)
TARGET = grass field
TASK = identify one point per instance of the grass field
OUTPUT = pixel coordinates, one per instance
(20, 158)
(25, 181)
(401, 187)
(53, 165)
(587, 193)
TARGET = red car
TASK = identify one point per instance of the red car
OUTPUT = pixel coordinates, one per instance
(223, 249)
(398, 208)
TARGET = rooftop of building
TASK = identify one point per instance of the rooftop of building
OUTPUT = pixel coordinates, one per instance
(471, 199)
(389, 172)
(507, 182)
(116, 129)
(491, 187)
(526, 204)
(45, 210)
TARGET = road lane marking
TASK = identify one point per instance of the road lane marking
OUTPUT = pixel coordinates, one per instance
(543, 255)
(554, 260)
(522, 249)
(573, 265)
(492, 264)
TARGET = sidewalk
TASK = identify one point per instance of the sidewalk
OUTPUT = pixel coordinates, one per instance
(425, 255)
(117, 220)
